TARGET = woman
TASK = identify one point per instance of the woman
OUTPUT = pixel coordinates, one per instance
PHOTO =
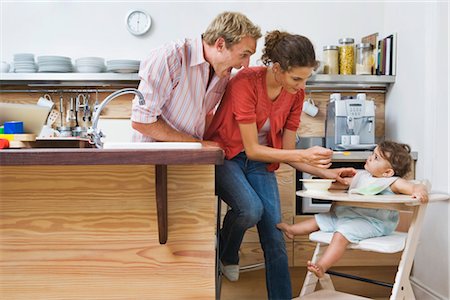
(256, 124)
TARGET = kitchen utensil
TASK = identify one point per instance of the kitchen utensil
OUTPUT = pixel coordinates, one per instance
(61, 110)
(70, 117)
(77, 107)
(87, 114)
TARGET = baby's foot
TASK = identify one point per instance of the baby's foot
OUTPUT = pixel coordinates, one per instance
(316, 269)
(286, 230)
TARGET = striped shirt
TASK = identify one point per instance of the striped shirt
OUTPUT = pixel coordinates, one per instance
(174, 84)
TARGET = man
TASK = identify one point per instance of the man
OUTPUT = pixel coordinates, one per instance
(183, 82)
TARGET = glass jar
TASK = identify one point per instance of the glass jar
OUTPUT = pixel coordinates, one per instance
(330, 60)
(346, 56)
(364, 59)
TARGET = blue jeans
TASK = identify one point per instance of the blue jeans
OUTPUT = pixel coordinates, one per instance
(252, 194)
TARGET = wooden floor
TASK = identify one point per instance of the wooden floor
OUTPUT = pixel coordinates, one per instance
(251, 285)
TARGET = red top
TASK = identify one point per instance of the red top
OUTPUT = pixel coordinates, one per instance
(246, 101)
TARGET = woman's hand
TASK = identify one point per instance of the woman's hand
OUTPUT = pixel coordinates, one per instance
(341, 175)
(317, 156)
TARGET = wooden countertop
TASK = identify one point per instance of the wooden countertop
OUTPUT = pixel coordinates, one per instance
(93, 156)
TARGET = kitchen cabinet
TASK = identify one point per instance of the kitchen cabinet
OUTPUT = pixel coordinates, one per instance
(82, 223)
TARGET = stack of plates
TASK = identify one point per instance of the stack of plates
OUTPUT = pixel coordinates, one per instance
(90, 65)
(59, 64)
(24, 63)
(122, 66)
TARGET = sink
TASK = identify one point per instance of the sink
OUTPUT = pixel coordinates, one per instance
(153, 145)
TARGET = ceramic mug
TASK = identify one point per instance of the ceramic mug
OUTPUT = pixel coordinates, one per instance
(354, 139)
(346, 139)
(310, 108)
(5, 67)
(46, 101)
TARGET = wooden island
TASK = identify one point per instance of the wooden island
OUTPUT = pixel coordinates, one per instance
(83, 224)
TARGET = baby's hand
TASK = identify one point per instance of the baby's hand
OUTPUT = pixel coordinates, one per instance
(420, 192)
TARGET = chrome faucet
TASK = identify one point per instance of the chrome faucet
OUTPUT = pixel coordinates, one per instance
(95, 134)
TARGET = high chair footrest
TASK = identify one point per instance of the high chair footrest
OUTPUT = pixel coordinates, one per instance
(392, 243)
(330, 294)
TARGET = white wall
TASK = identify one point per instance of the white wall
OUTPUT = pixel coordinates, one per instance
(78, 29)
(417, 105)
(417, 113)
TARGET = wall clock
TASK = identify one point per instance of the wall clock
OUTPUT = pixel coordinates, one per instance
(138, 22)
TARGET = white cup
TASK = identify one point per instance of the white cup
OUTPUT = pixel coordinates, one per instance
(354, 139)
(346, 139)
(46, 101)
(5, 67)
(310, 108)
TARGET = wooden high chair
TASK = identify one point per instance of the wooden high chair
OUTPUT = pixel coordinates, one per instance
(396, 242)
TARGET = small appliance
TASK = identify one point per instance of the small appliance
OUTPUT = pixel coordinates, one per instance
(350, 119)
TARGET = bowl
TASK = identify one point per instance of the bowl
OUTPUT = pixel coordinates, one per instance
(317, 185)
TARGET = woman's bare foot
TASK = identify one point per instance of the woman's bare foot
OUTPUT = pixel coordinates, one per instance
(316, 269)
(286, 228)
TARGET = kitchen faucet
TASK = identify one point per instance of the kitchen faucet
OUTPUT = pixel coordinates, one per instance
(96, 134)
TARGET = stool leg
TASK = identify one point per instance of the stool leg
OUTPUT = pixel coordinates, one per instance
(402, 286)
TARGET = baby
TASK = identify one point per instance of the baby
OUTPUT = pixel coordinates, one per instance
(383, 174)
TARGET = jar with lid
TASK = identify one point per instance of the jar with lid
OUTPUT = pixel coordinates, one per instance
(364, 59)
(330, 60)
(346, 56)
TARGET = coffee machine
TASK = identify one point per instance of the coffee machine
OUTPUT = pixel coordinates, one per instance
(350, 123)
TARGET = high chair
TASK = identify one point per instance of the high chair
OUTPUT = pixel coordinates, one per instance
(396, 242)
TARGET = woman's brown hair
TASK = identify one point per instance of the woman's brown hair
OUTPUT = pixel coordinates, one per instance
(289, 50)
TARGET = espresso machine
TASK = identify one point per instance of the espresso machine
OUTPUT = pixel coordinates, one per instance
(350, 123)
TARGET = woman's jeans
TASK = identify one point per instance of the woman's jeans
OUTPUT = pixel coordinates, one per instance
(252, 194)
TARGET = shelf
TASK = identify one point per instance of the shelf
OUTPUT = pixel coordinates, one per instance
(70, 79)
(350, 81)
(116, 79)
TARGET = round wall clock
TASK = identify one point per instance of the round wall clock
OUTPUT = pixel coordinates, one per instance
(138, 22)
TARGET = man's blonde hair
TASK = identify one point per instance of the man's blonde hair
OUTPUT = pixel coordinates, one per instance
(232, 27)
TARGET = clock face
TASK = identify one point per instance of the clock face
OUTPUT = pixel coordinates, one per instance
(138, 22)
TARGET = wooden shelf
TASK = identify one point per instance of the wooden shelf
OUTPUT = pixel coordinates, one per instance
(117, 79)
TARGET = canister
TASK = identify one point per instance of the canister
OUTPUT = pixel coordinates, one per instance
(346, 56)
(330, 59)
(65, 131)
(364, 60)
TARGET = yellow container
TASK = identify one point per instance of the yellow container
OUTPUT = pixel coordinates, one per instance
(346, 56)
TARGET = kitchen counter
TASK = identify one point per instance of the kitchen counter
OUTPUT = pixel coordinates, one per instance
(93, 156)
(83, 223)
(357, 156)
